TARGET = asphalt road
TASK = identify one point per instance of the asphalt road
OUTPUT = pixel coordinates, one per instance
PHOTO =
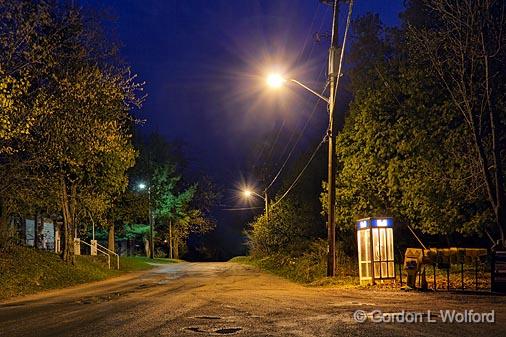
(219, 299)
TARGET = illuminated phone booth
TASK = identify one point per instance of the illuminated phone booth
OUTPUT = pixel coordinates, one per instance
(375, 239)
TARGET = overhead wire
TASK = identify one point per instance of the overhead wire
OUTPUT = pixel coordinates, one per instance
(300, 173)
(320, 26)
(299, 56)
(348, 23)
(312, 113)
(269, 156)
(341, 57)
(296, 142)
(294, 133)
(313, 21)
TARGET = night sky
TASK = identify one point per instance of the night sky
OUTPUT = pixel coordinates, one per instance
(204, 64)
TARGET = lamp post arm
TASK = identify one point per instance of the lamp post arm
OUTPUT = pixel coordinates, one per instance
(257, 195)
(310, 90)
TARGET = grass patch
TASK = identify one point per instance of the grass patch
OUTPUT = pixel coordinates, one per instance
(134, 263)
(25, 270)
(301, 270)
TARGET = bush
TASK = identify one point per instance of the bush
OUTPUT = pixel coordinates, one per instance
(291, 228)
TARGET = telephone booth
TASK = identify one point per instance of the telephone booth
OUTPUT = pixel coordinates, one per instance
(375, 240)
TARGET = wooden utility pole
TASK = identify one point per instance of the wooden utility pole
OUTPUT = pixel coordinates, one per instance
(332, 78)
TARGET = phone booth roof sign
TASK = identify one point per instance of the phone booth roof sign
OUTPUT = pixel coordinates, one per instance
(375, 223)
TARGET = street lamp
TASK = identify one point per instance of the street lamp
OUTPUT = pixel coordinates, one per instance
(276, 80)
(142, 186)
(247, 193)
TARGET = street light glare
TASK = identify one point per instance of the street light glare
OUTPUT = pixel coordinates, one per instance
(275, 80)
(247, 193)
(142, 186)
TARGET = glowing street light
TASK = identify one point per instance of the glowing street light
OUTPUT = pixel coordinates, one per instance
(142, 186)
(275, 80)
(247, 193)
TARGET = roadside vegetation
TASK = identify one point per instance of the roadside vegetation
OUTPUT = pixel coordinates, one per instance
(28, 270)
(308, 270)
(420, 128)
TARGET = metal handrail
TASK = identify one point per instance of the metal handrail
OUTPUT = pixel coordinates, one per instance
(101, 251)
(111, 252)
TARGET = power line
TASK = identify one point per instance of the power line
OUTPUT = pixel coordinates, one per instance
(301, 53)
(300, 173)
(269, 156)
(348, 21)
(309, 117)
(309, 34)
(296, 142)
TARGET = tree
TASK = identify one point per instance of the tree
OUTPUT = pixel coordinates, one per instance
(173, 207)
(180, 206)
(29, 35)
(404, 151)
(467, 50)
(79, 152)
(86, 145)
(295, 221)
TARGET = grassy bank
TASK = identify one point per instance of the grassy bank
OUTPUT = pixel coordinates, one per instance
(27, 270)
(299, 270)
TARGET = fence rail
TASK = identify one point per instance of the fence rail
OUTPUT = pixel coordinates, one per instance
(110, 252)
(100, 250)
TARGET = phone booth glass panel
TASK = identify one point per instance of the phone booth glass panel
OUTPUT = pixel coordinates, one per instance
(375, 250)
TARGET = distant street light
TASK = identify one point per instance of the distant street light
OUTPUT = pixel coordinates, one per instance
(142, 186)
(248, 193)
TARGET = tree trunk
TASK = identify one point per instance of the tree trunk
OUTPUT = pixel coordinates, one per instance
(110, 238)
(176, 247)
(5, 236)
(147, 248)
(68, 223)
(171, 256)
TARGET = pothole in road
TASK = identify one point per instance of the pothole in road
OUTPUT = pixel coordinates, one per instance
(220, 331)
(227, 331)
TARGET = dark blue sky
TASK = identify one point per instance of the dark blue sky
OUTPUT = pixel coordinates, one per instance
(204, 63)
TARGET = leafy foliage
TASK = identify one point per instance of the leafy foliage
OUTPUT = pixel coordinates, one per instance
(294, 222)
(404, 150)
(466, 51)
(65, 122)
(179, 208)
